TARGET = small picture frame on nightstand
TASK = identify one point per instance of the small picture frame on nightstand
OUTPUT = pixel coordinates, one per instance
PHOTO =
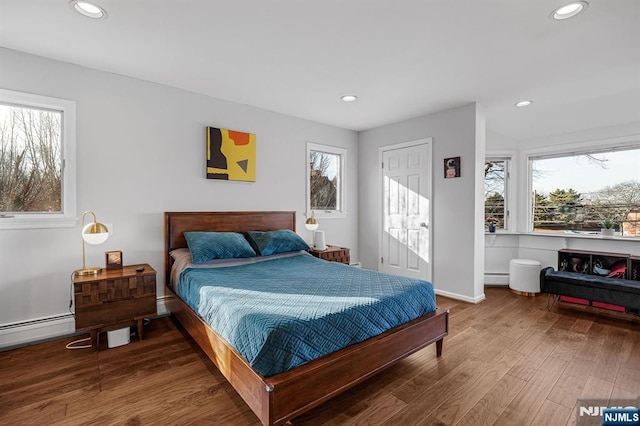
(113, 259)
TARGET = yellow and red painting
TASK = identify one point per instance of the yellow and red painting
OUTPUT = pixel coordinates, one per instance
(231, 155)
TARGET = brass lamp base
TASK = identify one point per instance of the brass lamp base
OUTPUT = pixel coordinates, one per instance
(88, 271)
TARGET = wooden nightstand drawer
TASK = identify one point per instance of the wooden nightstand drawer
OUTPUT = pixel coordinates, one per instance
(112, 290)
(110, 313)
(333, 254)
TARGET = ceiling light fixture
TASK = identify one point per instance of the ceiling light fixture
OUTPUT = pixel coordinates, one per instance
(569, 10)
(349, 98)
(90, 10)
(523, 103)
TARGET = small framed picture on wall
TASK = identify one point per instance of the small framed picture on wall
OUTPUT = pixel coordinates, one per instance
(451, 167)
(113, 259)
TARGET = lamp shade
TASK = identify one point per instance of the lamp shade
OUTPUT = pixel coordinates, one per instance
(95, 233)
(311, 224)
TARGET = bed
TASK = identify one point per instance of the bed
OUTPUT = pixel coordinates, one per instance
(278, 398)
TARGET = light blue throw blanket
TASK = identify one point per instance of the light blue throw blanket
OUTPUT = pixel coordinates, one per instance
(285, 312)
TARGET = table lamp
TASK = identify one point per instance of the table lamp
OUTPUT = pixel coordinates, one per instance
(312, 224)
(93, 233)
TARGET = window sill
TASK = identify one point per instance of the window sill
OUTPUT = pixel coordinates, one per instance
(37, 223)
(586, 236)
(578, 236)
(502, 232)
(320, 215)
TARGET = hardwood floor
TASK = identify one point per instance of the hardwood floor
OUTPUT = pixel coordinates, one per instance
(507, 361)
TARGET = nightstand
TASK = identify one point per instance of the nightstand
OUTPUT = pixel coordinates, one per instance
(333, 254)
(113, 299)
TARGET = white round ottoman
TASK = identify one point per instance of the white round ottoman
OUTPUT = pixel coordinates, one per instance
(524, 276)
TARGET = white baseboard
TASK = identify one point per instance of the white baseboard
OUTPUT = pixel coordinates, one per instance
(36, 330)
(457, 296)
(496, 278)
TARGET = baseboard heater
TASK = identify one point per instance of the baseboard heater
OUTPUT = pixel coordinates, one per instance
(37, 330)
(38, 321)
(29, 332)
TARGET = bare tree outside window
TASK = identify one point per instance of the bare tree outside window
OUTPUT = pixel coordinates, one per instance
(577, 193)
(30, 160)
(495, 190)
(324, 170)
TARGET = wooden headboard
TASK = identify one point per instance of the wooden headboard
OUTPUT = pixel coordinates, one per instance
(176, 223)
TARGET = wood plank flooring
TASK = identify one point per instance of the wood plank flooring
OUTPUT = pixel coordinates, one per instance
(506, 361)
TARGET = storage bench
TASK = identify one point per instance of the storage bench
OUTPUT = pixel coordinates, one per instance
(614, 291)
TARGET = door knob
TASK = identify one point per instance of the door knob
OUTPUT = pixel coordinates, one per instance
(424, 225)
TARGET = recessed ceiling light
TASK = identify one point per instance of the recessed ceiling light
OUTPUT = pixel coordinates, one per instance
(569, 10)
(349, 98)
(90, 10)
(523, 103)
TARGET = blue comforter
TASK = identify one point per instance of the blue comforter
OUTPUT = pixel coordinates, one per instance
(282, 313)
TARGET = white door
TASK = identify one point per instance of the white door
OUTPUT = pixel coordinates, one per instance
(406, 210)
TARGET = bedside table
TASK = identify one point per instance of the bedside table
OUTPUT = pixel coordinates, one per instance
(114, 298)
(333, 254)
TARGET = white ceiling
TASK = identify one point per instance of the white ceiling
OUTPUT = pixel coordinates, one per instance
(402, 58)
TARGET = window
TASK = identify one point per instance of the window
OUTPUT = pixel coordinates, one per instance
(326, 181)
(37, 153)
(576, 193)
(496, 190)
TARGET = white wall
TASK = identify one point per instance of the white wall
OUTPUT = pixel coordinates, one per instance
(141, 152)
(497, 142)
(456, 226)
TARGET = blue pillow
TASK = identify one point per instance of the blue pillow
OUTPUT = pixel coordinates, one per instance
(205, 246)
(274, 242)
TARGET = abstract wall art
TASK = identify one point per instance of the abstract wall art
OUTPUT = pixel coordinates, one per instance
(231, 155)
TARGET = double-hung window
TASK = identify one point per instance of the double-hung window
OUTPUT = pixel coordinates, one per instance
(326, 180)
(497, 176)
(37, 156)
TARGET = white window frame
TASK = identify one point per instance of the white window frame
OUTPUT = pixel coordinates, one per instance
(67, 218)
(341, 212)
(509, 186)
(597, 146)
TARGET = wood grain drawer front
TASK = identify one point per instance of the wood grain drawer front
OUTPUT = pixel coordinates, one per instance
(333, 254)
(113, 290)
(341, 256)
(114, 312)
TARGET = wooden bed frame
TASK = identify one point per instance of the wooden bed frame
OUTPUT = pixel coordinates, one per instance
(278, 399)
